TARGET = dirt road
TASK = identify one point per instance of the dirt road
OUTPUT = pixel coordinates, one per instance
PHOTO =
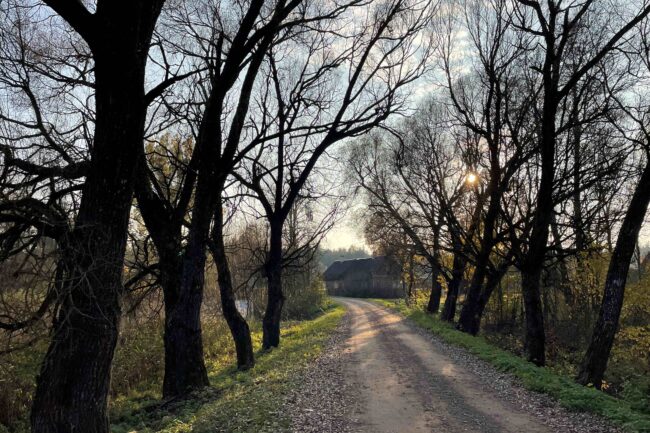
(382, 374)
(406, 384)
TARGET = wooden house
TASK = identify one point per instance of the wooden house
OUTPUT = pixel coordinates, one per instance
(376, 277)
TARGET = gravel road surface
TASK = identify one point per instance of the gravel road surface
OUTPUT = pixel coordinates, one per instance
(382, 374)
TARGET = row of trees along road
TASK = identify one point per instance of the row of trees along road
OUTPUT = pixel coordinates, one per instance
(175, 103)
(537, 125)
(124, 124)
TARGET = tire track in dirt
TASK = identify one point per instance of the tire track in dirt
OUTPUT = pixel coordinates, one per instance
(406, 384)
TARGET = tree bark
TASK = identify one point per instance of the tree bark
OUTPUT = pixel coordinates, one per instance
(275, 301)
(537, 246)
(164, 226)
(436, 291)
(170, 272)
(73, 384)
(183, 336)
(565, 281)
(457, 273)
(237, 324)
(72, 387)
(535, 339)
(492, 281)
(165, 230)
(595, 361)
(412, 278)
(470, 315)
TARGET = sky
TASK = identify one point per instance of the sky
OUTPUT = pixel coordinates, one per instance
(345, 234)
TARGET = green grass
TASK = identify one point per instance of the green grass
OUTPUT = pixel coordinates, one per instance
(248, 401)
(562, 388)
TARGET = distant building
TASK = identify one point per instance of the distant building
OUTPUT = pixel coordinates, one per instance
(376, 277)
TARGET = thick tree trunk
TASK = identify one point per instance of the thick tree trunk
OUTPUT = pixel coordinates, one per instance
(493, 280)
(535, 337)
(184, 365)
(412, 278)
(170, 273)
(182, 373)
(565, 282)
(275, 301)
(183, 336)
(164, 225)
(72, 387)
(73, 384)
(470, 315)
(594, 363)
(453, 286)
(166, 235)
(238, 327)
(537, 245)
(436, 291)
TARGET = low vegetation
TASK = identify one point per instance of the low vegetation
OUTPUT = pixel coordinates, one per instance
(235, 402)
(540, 379)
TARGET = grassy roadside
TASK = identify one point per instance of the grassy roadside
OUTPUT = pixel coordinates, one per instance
(237, 401)
(562, 388)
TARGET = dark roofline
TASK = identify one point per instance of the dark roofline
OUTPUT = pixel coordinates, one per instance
(339, 268)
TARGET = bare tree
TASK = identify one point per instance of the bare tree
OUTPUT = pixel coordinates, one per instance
(73, 384)
(556, 26)
(494, 108)
(314, 111)
(401, 175)
(634, 127)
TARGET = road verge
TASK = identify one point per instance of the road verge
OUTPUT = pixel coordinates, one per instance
(561, 388)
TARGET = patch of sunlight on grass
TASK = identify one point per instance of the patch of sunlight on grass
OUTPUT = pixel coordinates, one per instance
(249, 401)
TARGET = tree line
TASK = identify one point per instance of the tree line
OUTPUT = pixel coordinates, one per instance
(531, 153)
(133, 133)
(165, 113)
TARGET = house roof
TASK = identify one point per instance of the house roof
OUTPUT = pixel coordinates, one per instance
(338, 269)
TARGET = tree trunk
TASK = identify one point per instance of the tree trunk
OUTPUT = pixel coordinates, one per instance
(185, 368)
(565, 282)
(436, 291)
(275, 301)
(470, 315)
(73, 384)
(594, 363)
(472, 321)
(535, 337)
(537, 245)
(493, 280)
(578, 220)
(170, 274)
(412, 278)
(167, 238)
(72, 387)
(457, 272)
(183, 336)
(238, 327)
(470, 318)
(182, 373)
(164, 225)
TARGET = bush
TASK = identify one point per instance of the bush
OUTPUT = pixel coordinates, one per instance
(17, 372)
(306, 302)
